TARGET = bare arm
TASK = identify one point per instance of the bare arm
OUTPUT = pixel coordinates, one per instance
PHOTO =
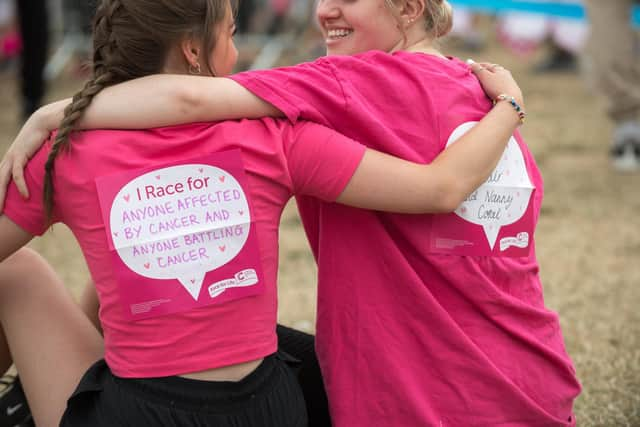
(12, 237)
(386, 183)
(163, 100)
(181, 99)
(147, 102)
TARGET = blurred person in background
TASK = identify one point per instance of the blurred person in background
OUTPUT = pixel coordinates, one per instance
(465, 28)
(10, 42)
(523, 33)
(243, 16)
(614, 50)
(34, 28)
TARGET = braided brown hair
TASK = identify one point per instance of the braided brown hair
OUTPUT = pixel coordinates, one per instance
(131, 39)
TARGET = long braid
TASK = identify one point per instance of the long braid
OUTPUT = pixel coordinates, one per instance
(131, 39)
(104, 45)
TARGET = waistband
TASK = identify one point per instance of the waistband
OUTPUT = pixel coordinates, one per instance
(198, 394)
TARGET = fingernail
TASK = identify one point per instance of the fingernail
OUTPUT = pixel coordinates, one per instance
(470, 61)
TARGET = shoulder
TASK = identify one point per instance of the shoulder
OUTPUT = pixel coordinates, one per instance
(377, 64)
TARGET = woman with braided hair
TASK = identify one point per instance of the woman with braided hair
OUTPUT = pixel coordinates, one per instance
(179, 229)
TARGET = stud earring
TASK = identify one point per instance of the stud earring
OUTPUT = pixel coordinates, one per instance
(195, 69)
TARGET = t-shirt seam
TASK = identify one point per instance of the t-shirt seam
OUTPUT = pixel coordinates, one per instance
(250, 82)
(334, 72)
(347, 174)
(290, 133)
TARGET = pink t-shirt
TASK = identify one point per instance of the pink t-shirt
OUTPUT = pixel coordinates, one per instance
(426, 320)
(175, 332)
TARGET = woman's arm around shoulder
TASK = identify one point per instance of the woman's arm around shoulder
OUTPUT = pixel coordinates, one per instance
(387, 183)
(325, 164)
(147, 102)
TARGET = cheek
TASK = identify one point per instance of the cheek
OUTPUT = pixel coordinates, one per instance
(386, 35)
(234, 53)
(224, 59)
(373, 37)
(377, 30)
(232, 57)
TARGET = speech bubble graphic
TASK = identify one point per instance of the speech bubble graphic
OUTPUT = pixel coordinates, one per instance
(180, 222)
(503, 199)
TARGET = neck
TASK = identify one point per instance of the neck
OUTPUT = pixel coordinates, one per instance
(417, 43)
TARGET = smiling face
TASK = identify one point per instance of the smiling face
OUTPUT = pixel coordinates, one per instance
(354, 26)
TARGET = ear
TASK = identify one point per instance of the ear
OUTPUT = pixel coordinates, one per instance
(411, 11)
(191, 50)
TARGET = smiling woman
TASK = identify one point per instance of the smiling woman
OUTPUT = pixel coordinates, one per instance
(352, 27)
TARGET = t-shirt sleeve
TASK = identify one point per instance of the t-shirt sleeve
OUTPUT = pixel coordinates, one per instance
(311, 90)
(320, 161)
(29, 214)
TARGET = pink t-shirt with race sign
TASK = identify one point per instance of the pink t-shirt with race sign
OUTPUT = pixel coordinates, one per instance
(179, 228)
(426, 320)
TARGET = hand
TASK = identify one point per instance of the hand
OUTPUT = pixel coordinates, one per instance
(496, 80)
(27, 142)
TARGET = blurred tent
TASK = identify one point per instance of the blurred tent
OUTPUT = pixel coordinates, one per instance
(559, 9)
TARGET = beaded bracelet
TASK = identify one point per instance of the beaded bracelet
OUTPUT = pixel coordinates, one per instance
(514, 103)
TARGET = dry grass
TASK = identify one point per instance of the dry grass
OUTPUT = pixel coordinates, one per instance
(588, 241)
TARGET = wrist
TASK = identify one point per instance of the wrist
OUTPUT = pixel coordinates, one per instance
(507, 114)
(515, 104)
(36, 124)
(48, 117)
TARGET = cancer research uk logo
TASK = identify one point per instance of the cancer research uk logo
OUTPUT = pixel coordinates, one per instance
(180, 223)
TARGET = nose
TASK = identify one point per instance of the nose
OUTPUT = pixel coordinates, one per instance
(327, 9)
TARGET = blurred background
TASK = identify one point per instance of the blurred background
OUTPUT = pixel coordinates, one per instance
(588, 238)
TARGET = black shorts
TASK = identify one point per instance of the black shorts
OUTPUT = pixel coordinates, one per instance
(268, 397)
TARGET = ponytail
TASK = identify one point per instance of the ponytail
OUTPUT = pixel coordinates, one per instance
(439, 17)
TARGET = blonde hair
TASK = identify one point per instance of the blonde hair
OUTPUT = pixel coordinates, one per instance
(438, 16)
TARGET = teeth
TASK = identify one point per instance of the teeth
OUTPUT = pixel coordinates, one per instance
(338, 33)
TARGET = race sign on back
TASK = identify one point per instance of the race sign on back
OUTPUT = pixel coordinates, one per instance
(179, 223)
(499, 207)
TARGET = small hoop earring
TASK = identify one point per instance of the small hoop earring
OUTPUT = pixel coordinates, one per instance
(195, 69)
